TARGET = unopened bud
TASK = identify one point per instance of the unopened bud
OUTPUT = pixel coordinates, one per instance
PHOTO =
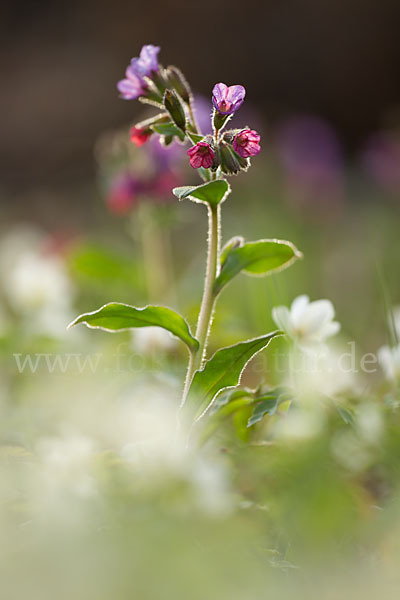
(175, 109)
(179, 83)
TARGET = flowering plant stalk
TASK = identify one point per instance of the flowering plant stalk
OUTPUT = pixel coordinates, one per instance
(215, 157)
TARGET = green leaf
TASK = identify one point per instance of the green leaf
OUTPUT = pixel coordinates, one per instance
(255, 258)
(226, 400)
(169, 129)
(221, 371)
(224, 406)
(268, 404)
(213, 192)
(120, 317)
(151, 121)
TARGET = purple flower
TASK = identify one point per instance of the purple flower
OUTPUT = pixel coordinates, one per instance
(226, 99)
(247, 143)
(147, 62)
(134, 84)
(201, 155)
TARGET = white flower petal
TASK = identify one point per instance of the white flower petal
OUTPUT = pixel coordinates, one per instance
(329, 329)
(318, 314)
(389, 359)
(281, 316)
(298, 308)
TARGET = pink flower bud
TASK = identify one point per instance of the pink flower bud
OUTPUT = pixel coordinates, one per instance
(139, 136)
(201, 155)
(247, 143)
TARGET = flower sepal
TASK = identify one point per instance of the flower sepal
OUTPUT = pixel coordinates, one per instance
(175, 109)
(159, 80)
(178, 82)
(230, 162)
(220, 121)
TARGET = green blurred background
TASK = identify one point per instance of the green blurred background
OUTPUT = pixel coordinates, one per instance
(311, 515)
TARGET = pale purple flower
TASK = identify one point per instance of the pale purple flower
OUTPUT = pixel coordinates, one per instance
(147, 62)
(134, 84)
(227, 100)
(247, 143)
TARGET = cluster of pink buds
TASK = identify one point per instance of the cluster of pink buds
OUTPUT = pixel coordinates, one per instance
(224, 153)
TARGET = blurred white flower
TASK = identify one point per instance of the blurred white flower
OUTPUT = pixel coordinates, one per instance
(307, 323)
(350, 451)
(211, 486)
(145, 428)
(37, 281)
(65, 466)
(389, 359)
(158, 452)
(369, 423)
(300, 423)
(152, 340)
(36, 284)
(325, 373)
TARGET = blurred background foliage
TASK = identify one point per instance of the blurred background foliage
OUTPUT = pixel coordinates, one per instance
(93, 504)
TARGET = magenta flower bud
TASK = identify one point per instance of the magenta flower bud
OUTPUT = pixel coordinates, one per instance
(247, 143)
(226, 99)
(201, 155)
(134, 84)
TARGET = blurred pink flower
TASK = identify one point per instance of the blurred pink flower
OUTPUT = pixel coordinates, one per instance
(123, 194)
(139, 136)
(381, 159)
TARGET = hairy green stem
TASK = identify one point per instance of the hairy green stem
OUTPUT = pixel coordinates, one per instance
(208, 302)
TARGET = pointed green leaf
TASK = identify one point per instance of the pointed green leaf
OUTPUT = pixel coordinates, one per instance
(169, 129)
(119, 317)
(221, 371)
(212, 192)
(256, 258)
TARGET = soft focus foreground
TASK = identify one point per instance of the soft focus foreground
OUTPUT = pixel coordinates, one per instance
(293, 484)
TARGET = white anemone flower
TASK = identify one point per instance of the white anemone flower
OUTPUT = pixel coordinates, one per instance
(389, 359)
(307, 323)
